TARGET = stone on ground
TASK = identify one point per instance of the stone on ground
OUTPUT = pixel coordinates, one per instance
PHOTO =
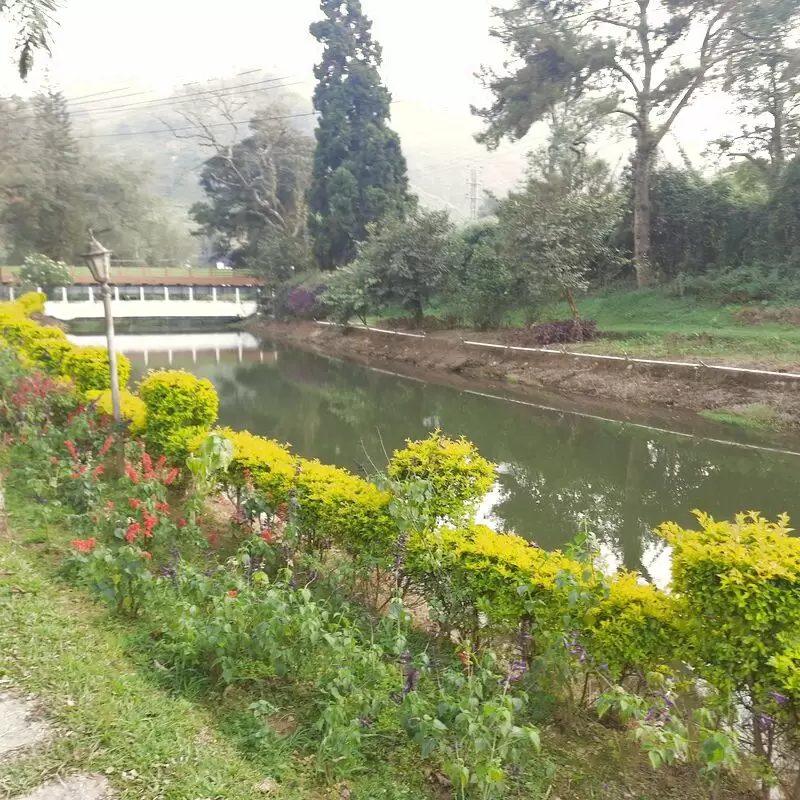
(18, 726)
(81, 787)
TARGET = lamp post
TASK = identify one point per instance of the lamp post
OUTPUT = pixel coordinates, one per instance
(98, 259)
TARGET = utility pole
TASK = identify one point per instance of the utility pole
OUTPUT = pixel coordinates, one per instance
(474, 193)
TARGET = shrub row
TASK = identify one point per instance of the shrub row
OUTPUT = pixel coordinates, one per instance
(733, 614)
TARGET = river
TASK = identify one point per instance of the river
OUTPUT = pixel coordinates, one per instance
(559, 468)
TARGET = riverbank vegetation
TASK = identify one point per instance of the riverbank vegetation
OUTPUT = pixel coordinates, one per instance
(579, 234)
(364, 638)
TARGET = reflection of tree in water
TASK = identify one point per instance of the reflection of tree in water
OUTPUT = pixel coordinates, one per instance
(558, 469)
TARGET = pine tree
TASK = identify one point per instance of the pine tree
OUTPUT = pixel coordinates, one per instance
(359, 169)
(58, 200)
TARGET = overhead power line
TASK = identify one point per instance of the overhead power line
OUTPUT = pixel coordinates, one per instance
(192, 127)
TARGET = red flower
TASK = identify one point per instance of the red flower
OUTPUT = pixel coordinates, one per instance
(147, 465)
(162, 507)
(74, 476)
(131, 473)
(135, 503)
(73, 451)
(149, 523)
(266, 535)
(182, 523)
(132, 532)
(463, 658)
(54, 461)
(161, 463)
(145, 554)
(232, 593)
(82, 469)
(170, 479)
(84, 545)
(97, 472)
(110, 505)
(213, 540)
(106, 445)
(283, 512)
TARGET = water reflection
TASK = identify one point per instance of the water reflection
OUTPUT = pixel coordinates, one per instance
(557, 471)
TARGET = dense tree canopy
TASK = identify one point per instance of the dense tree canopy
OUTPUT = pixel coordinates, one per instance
(51, 191)
(256, 209)
(644, 61)
(359, 172)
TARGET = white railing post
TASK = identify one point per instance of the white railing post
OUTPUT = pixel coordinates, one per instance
(91, 294)
(11, 293)
(64, 298)
(191, 294)
(213, 294)
(116, 293)
(141, 293)
(166, 293)
(238, 296)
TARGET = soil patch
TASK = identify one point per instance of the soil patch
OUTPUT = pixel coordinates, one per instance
(758, 316)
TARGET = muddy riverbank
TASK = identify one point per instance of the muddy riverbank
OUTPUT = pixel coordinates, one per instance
(630, 384)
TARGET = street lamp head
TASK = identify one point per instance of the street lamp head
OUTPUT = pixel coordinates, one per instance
(98, 259)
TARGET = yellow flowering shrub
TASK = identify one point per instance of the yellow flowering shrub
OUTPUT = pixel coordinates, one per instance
(88, 367)
(180, 407)
(132, 407)
(474, 569)
(741, 582)
(634, 627)
(271, 466)
(345, 509)
(460, 476)
(31, 303)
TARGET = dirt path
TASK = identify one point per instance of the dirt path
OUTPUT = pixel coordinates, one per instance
(444, 353)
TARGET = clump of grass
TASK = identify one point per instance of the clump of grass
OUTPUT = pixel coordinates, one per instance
(756, 416)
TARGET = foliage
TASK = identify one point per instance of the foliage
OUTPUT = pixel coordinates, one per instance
(472, 719)
(134, 412)
(179, 406)
(41, 271)
(31, 303)
(553, 236)
(408, 258)
(53, 190)
(563, 331)
(349, 293)
(89, 368)
(359, 173)
(459, 476)
(742, 581)
(33, 21)
(255, 213)
(608, 62)
(634, 627)
(481, 286)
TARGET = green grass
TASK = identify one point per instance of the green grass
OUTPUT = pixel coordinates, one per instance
(755, 417)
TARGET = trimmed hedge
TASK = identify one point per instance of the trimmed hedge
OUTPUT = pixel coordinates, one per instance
(180, 407)
(132, 407)
(89, 368)
(733, 614)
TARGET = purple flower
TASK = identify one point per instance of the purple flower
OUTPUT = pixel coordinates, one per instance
(780, 699)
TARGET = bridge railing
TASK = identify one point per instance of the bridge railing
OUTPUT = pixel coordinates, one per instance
(133, 292)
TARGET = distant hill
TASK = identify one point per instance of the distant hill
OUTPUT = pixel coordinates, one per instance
(439, 147)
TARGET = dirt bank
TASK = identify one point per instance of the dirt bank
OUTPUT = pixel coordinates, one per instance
(445, 353)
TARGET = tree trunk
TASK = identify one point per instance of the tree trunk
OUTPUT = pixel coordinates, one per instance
(576, 315)
(642, 216)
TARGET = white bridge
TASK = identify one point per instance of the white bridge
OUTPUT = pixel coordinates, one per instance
(148, 302)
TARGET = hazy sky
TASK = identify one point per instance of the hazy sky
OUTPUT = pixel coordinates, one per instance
(432, 49)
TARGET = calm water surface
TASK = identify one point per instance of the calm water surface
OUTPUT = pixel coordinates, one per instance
(557, 470)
